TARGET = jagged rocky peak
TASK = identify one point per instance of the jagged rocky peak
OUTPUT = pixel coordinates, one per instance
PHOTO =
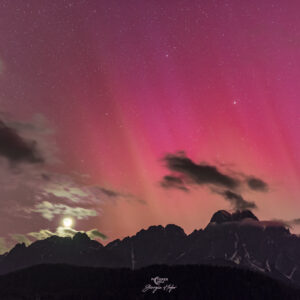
(17, 249)
(174, 229)
(80, 236)
(223, 216)
(243, 214)
(157, 230)
(151, 229)
(19, 246)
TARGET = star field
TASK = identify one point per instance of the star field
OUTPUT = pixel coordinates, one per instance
(123, 83)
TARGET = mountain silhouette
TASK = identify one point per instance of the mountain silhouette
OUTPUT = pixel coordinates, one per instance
(238, 240)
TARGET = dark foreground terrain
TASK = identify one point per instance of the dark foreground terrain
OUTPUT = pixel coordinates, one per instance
(180, 282)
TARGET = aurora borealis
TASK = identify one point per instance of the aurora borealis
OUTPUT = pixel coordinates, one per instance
(113, 86)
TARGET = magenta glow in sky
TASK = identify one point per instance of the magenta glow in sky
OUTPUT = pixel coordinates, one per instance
(123, 83)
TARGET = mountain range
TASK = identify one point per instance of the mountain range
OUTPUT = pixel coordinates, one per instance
(238, 240)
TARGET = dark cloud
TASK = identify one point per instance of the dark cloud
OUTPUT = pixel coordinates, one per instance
(199, 173)
(186, 173)
(170, 181)
(257, 184)
(17, 149)
(115, 195)
(95, 233)
(237, 201)
(109, 193)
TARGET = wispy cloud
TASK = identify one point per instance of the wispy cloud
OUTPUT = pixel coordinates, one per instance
(48, 210)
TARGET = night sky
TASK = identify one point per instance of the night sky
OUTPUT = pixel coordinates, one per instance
(125, 114)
